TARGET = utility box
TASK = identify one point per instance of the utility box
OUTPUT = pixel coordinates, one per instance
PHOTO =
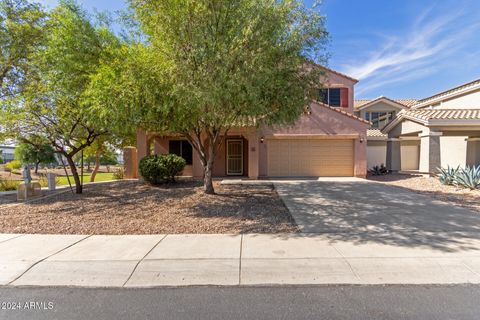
(27, 191)
(51, 178)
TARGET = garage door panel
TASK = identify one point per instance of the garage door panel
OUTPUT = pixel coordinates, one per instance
(308, 157)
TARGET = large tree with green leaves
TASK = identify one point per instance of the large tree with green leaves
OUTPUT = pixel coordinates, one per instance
(22, 30)
(206, 65)
(53, 107)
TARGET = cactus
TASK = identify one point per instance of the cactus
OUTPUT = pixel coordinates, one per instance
(448, 175)
(468, 177)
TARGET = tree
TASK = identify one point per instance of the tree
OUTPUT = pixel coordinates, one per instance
(1, 157)
(208, 64)
(22, 26)
(35, 154)
(53, 106)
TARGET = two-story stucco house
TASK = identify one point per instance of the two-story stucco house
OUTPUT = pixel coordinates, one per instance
(379, 112)
(327, 140)
(441, 130)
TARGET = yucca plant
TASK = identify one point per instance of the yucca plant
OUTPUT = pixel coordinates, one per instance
(448, 175)
(469, 177)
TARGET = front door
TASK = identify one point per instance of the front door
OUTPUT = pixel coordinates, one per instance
(234, 157)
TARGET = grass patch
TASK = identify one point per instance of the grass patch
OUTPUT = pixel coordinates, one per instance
(9, 185)
(101, 176)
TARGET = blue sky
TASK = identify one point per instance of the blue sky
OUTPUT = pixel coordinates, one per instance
(396, 48)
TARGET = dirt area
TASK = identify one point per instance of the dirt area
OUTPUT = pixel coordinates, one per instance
(131, 207)
(431, 186)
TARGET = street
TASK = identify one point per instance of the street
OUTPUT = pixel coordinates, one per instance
(309, 302)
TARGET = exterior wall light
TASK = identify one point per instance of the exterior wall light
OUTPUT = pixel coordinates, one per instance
(262, 139)
(361, 140)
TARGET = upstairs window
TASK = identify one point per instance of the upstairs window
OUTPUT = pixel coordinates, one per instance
(181, 148)
(379, 119)
(334, 97)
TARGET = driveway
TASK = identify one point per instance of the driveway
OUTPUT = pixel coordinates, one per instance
(362, 211)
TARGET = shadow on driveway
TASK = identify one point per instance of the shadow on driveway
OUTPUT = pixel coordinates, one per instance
(366, 212)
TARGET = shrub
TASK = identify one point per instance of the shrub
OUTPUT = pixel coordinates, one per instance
(448, 176)
(468, 177)
(161, 168)
(13, 165)
(378, 170)
(9, 185)
(119, 173)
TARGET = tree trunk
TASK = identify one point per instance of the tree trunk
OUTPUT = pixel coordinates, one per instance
(76, 177)
(36, 167)
(97, 165)
(207, 178)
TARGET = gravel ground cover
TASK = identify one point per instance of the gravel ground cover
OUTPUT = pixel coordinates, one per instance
(431, 186)
(131, 207)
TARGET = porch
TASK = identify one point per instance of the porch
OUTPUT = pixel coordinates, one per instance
(237, 154)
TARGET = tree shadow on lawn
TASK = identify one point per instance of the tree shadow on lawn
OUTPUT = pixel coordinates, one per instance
(362, 212)
(99, 197)
(249, 208)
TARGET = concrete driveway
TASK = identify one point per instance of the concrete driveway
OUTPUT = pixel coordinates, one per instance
(362, 211)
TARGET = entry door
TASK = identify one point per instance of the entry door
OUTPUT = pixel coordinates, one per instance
(235, 157)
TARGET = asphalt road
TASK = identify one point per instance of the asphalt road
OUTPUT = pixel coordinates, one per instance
(314, 302)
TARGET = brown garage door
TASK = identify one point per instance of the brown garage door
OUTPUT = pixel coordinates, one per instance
(308, 157)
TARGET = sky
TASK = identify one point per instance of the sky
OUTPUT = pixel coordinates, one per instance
(395, 48)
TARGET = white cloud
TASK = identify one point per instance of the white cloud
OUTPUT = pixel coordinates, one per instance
(421, 50)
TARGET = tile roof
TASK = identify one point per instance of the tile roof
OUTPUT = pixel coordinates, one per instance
(339, 73)
(350, 115)
(449, 91)
(375, 133)
(434, 116)
(444, 114)
(405, 102)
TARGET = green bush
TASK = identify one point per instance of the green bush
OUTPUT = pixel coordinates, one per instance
(13, 165)
(161, 168)
(9, 185)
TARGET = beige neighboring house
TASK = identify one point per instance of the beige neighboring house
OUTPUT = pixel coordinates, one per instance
(379, 112)
(438, 131)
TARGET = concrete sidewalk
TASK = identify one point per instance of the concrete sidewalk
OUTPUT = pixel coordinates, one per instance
(252, 259)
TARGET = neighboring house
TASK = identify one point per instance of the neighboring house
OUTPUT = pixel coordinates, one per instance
(444, 128)
(7, 153)
(327, 140)
(379, 112)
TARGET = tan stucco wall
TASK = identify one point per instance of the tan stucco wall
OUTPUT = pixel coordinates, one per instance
(470, 100)
(406, 127)
(453, 151)
(333, 80)
(376, 153)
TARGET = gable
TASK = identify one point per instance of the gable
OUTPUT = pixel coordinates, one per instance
(470, 100)
(381, 106)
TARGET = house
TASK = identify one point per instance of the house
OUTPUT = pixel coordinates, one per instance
(7, 153)
(441, 130)
(327, 140)
(379, 112)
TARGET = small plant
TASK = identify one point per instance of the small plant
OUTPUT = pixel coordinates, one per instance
(119, 173)
(468, 177)
(378, 170)
(9, 185)
(448, 175)
(161, 168)
(44, 181)
(13, 165)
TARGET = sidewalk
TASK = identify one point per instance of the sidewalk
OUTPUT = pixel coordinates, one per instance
(178, 260)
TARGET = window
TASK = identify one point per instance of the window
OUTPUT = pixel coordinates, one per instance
(379, 119)
(333, 97)
(181, 148)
